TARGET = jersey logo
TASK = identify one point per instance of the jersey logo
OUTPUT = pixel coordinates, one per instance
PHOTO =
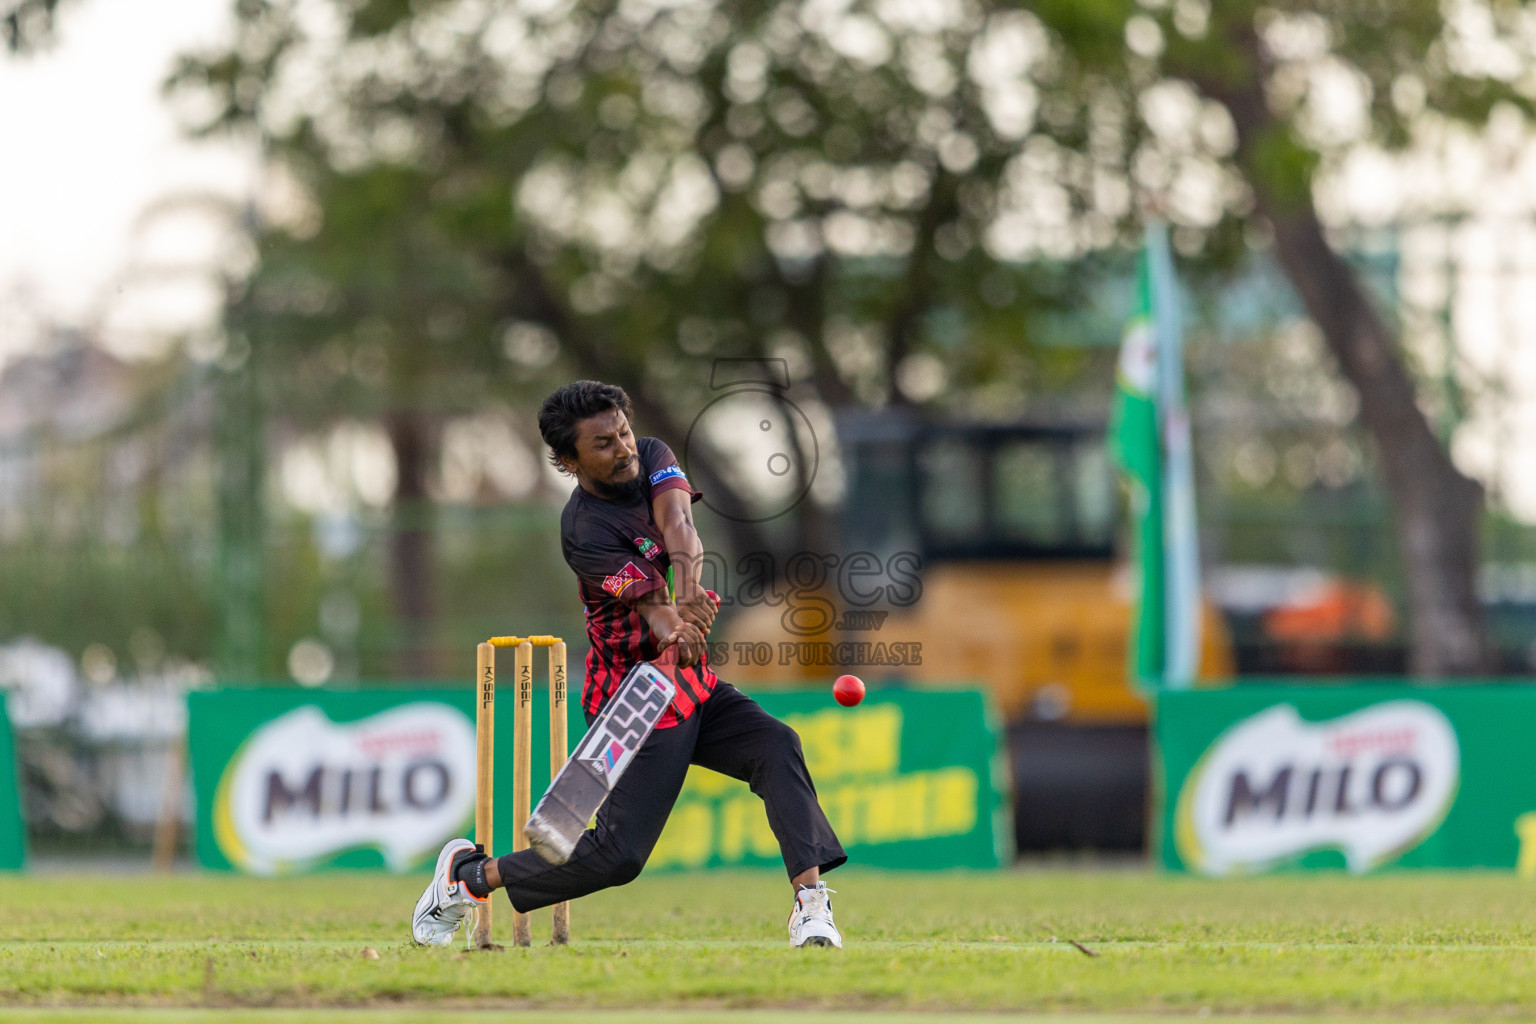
(649, 548)
(623, 579)
(664, 474)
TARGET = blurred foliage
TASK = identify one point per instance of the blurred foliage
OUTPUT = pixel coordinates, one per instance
(496, 570)
(102, 593)
(1260, 102)
(467, 204)
(660, 185)
(27, 25)
(647, 188)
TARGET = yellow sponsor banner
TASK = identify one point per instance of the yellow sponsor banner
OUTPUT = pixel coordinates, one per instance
(905, 779)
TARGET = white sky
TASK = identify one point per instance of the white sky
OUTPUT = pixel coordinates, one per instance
(88, 145)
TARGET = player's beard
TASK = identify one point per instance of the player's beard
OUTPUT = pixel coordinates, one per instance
(625, 490)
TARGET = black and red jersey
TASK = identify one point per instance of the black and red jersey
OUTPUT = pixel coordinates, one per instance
(618, 554)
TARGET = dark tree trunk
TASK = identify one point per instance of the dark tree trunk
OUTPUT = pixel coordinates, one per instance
(1437, 508)
(411, 564)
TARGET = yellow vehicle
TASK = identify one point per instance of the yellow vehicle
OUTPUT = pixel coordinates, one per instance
(992, 551)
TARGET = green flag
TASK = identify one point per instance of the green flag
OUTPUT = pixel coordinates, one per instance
(1134, 442)
(1150, 439)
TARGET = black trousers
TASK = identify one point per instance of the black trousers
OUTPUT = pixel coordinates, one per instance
(730, 734)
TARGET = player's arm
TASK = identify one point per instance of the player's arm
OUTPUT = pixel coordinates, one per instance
(670, 627)
(673, 511)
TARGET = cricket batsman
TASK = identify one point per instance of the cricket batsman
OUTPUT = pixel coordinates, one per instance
(627, 522)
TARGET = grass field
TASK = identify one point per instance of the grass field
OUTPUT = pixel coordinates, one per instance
(702, 948)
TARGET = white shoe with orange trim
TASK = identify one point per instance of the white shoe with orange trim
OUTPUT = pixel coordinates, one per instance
(810, 923)
(445, 904)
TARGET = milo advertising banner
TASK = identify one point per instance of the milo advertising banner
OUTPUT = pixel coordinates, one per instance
(289, 781)
(1260, 777)
(13, 832)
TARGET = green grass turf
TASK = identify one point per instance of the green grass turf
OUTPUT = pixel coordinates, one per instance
(1327, 946)
(672, 1016)
(331, 1015)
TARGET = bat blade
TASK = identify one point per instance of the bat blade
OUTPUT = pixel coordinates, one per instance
(601, 758)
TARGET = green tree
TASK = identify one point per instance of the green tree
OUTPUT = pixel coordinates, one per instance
(651, 189)
(378, 312)
(873, 192)
(1264, 100)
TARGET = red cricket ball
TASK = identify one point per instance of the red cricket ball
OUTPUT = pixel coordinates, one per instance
(848, 690)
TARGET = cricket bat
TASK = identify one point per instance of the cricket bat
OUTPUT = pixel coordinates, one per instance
(599, 762)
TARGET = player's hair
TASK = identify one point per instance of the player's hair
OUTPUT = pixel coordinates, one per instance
(570, 405)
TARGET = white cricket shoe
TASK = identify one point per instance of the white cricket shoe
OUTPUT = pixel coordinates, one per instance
(810, 923)
(443, 907)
